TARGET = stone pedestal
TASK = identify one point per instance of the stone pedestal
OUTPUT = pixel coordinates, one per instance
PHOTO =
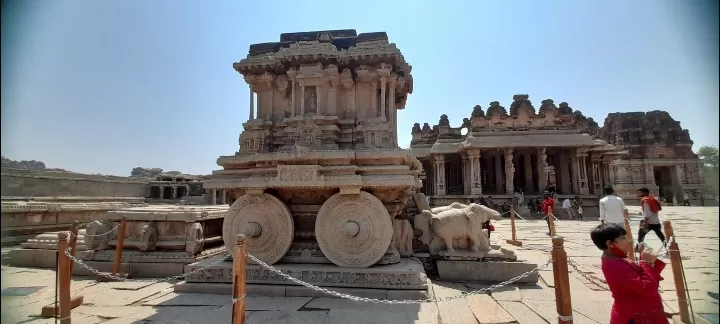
(406, 278)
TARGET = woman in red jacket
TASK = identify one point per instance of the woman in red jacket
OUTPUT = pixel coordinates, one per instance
(634, 287)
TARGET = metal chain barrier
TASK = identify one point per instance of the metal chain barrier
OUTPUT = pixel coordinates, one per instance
(86, 234)
(311, 286)
(152, 281)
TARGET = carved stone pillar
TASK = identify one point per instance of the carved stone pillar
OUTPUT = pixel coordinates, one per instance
(187, 190)
(509, 172)
(528, 166)
(541, 166)
(162, 192)
(292, 98)
(302, 99)
(383, 109)
(252, 103)
(318, 100)
(214, 197)
(475, 172)
(678, 183)
(439, 174)
(173, 191)
(223, 197)
(466, 173)
(498, 173)
(374, 98)
(393, 109)
(149, 191)
(581, 171)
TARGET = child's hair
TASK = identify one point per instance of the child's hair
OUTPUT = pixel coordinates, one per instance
(472, 200)
(606, 232)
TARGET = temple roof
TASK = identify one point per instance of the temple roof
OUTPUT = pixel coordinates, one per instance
(342, 39)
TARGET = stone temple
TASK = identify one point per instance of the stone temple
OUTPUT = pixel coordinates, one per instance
(527, 149)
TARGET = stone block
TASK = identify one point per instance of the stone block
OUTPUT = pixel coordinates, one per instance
(226, 289)
(406, 275)
(495, 271)
(36, 258)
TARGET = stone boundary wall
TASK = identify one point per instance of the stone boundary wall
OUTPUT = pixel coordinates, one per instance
(17, 182)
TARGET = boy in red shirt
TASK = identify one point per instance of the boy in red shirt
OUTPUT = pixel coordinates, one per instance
(634, 287)
(548, 205)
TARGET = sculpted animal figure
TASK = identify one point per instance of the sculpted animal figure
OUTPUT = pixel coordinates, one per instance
(459, 224)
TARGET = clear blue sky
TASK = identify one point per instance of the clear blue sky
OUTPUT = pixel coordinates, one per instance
(105, 86)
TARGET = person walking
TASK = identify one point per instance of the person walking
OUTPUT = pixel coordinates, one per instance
(568, 208)
(577, 205)
(548, 205)
(651, 221)
(612, 208)
(686, 197)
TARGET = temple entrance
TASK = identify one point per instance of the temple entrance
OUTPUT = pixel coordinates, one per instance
(454, 175)
(663, 179)
(428, 183)
(154, 192)
(167, 193)
(181, 192)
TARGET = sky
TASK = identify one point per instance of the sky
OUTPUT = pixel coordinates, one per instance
(105, 86)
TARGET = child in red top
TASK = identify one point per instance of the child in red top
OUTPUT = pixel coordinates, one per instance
(634, 286)
(548, 205)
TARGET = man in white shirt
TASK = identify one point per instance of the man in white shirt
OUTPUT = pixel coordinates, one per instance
(567, 207)
(612, 208)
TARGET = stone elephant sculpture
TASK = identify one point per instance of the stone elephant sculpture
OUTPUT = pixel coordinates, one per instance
(460, 225)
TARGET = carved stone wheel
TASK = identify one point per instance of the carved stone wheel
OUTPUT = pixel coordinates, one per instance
(267, 223)
(353, 230)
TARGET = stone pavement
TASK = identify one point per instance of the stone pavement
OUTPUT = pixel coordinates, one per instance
(25, 291)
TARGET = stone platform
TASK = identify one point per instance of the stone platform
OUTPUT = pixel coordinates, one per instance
(406, 279)
(492, 271)
(159, 239)
(23, 220)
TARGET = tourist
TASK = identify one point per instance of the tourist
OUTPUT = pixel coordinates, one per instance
(651, 221)
(427, 199)
(531, 204)
(634, 287)
(612, 208)
(702, 199)
(577, 207)
(568, 208)
(482, 201)
(490, 202)
(472, 200)
(548, 205)
(686, 197)
(550, 188)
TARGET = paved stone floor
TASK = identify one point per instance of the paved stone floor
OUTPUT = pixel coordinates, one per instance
(25, 291)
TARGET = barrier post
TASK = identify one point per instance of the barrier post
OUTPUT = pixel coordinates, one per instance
(120, 243)
(64, 275)
(239, 268)
(629, 237)
(514, 240)
(74, 229)
(119, 247)
(562, 281)
(551, 220)
(675, 260)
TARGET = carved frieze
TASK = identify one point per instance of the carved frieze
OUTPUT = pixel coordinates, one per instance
(298, 173)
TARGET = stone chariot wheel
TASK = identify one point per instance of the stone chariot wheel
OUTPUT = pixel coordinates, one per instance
(267, 223)
(353, 230)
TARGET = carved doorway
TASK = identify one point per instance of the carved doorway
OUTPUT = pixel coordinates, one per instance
(663, 179)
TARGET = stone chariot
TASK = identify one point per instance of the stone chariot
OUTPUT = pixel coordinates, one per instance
(319, 178)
